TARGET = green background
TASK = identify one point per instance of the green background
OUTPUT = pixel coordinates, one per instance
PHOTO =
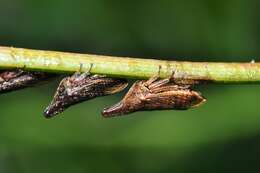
(221, 136)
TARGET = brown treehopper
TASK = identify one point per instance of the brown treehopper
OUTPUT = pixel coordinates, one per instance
(81, 87)
(155, 94)
(18, 79)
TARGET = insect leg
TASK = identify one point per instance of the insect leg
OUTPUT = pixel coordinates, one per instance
(79, 75)
(153, 78)
(172, 87)
(158, 83)
(181, 79)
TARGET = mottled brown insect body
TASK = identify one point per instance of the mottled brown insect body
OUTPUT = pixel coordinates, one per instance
(155, 95)
(18, 79)
(82, 87)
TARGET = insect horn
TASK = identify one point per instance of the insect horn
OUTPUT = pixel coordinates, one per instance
(130, 103)
(82, 87)
(113, 110)
(156, 94)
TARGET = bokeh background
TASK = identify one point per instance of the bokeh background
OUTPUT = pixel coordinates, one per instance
(221, 136)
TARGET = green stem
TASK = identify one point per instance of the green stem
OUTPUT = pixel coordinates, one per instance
(60, 62)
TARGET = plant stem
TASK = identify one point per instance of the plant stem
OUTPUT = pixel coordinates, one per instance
(60, 62)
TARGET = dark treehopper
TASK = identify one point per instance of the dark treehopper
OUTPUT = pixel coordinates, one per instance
(11, 80)
(81, 87)
(156, 94)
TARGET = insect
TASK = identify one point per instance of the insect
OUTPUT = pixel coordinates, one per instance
(81, 87)
(155, 94)
(17, 79)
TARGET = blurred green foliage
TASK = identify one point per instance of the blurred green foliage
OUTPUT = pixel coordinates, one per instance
(221, 136)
